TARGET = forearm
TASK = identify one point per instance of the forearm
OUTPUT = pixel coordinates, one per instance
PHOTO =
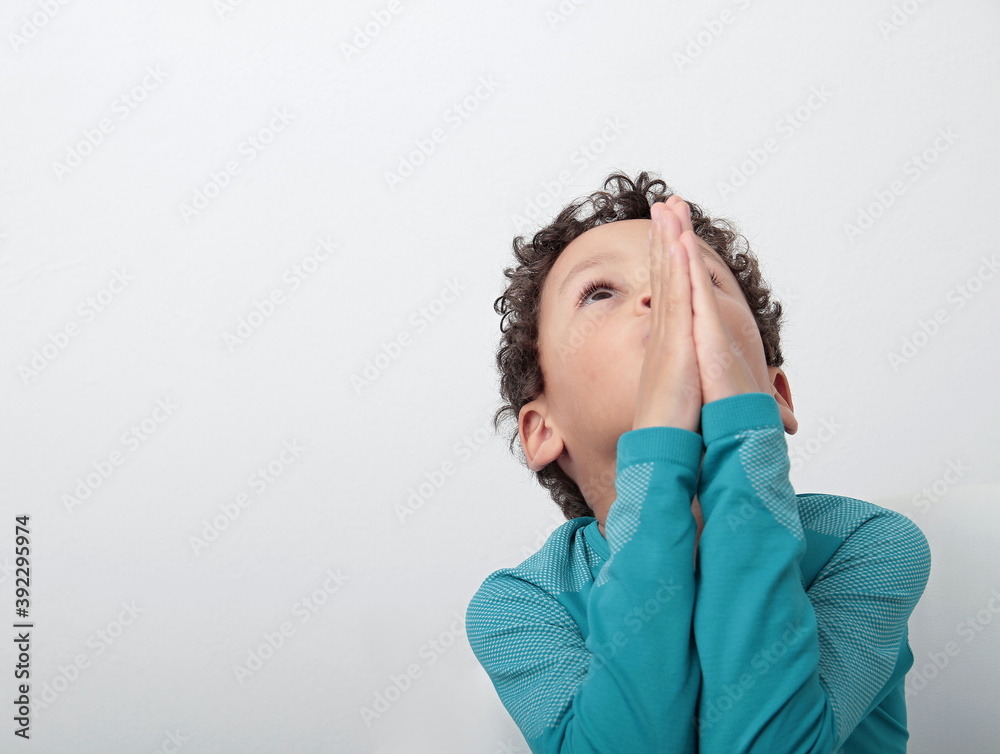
(755, 628)
(645, 668)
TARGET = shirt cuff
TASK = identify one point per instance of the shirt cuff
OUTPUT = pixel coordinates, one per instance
(727, 416)
(660, 444)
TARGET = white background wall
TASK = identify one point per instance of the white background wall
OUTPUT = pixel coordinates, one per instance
(895, 76)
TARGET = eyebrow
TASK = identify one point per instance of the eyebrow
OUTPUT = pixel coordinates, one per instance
(606, 257)
(597, 260)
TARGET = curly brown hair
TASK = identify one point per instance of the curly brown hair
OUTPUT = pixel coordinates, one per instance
(517, 358)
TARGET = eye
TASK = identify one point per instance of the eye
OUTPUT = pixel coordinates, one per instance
(598, 285)
(595, 286)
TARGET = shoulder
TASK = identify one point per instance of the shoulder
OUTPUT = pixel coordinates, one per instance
(860, 529)
(561, 564)
(840, 516)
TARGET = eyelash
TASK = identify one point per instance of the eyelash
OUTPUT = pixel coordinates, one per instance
(599, 284)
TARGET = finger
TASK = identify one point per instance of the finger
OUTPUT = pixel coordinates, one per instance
(657, 209)
(713, 341)
(679, 304)
(671, 227)
(683, 211)
(655, 264)
(703, 301)
(661, 275)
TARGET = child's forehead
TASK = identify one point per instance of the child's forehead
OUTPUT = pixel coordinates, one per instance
(627, 239)
(621, 241)
(633, 228)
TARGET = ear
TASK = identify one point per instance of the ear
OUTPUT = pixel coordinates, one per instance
(541, 440)
(783, 395)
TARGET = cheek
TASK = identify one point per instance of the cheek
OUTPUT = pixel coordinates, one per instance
(743, 328)
(595, 353)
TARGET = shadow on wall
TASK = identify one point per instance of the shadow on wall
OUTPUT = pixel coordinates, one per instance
(954, 631)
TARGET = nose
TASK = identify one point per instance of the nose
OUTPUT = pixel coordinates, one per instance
(644, 300)
(643, 306)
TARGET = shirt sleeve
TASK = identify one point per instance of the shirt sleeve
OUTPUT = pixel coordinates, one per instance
(632, 684)
(783, 670)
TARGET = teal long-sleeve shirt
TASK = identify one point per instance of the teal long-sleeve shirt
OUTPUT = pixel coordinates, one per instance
(790, 635)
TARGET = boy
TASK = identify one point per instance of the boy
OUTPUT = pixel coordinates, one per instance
(692, 602)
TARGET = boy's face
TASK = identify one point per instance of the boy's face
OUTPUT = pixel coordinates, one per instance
(592, 351)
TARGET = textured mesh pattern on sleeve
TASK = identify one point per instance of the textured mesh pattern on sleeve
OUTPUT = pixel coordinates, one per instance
(632, 486)
(765, 462)
(537, 676)
(863, 598)
(551, 575)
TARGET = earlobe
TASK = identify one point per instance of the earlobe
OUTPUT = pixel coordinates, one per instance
(541, 441)
(782, 394)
